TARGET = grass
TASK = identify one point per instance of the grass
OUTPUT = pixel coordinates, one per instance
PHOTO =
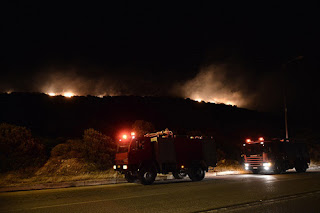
(228, 165)
(27, 178)
(57, 170)
(71, 170)
(314, 163)
(19, 179)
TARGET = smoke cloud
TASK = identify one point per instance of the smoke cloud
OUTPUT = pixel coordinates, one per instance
(222, 83)
(217, 84)
(69, 81)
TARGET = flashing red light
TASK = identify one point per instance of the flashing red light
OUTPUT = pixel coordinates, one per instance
(124, 137)
(261, 139)
(133, 134)
(248, 140)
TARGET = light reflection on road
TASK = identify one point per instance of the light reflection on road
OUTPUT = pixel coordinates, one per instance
(237, 175)
(263, 177)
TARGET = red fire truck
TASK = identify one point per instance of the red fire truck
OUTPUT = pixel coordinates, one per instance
(141, 158)
(275, 156)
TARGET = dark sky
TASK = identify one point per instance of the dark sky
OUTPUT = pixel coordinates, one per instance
(222, 51)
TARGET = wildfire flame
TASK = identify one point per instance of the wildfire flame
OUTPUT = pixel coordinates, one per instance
(65, 94)
(68, 94)
(215, 101)
(209, 86)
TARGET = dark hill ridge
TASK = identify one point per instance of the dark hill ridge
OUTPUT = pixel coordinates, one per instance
(56, 118)
(68, 117)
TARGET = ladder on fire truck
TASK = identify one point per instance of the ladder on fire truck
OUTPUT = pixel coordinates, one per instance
(164, 133)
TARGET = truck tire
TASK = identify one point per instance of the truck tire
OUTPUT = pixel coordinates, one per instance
(130, 178)
(179, 174)
(147, 175)
(196, 173)
(277, 168)
(301, 166)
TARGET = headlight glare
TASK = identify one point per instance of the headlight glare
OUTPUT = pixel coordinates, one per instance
(266, 164)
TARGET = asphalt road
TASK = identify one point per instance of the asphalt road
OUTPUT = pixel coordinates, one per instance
(291, 192)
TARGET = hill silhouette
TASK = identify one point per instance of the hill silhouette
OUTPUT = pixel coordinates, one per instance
(54, 117)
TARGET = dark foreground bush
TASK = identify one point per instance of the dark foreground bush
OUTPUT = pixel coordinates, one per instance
(228, 165)
(72, 166)
(18, 149)
(141, 127)
(314, 151)
(94, 147)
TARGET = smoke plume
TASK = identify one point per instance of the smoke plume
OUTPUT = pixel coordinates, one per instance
(216, 84)
(69, 81)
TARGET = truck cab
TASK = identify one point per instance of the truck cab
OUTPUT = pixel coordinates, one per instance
(275, 156)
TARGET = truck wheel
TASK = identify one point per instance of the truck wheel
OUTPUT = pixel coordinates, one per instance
(301, 167)
(179, 175)
(130, 178)
(277, 168)
(147, 175)
(196, 173)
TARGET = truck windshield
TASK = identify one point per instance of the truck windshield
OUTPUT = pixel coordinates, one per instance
(122, 148)
(253, 149)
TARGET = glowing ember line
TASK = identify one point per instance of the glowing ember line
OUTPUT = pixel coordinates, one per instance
(68, 94)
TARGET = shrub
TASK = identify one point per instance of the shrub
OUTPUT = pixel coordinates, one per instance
(70, 149)
(72, 166)
(18, 149)
(314, 152)
(228, 165)
(141, 127)
(94, 148)
(100, 148)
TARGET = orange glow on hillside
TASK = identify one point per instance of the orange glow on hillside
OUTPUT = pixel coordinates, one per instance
(68, 94)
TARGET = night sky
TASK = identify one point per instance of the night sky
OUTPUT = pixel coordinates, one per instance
(220, 52)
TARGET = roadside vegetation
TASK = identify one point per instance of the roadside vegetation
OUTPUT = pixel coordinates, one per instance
(19, 150)
(27, 160)
(23, 158)
(314, 151)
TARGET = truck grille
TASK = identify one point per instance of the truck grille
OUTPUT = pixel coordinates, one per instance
(254, 160)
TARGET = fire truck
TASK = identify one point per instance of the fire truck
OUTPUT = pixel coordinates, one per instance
(142, 158)
(275, 156)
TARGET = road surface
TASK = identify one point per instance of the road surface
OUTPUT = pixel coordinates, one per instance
(291, 192)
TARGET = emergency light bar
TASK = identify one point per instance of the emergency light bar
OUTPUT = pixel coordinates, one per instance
(124, 137)
(260, 140)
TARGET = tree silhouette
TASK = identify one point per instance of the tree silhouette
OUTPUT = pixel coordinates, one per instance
(141, 127)
(18, 148)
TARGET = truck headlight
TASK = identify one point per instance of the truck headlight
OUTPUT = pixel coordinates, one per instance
(246, 166)
(266, 164)
(125, 166)
(114, 167)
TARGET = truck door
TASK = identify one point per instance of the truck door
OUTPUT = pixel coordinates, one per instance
(140, 150)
